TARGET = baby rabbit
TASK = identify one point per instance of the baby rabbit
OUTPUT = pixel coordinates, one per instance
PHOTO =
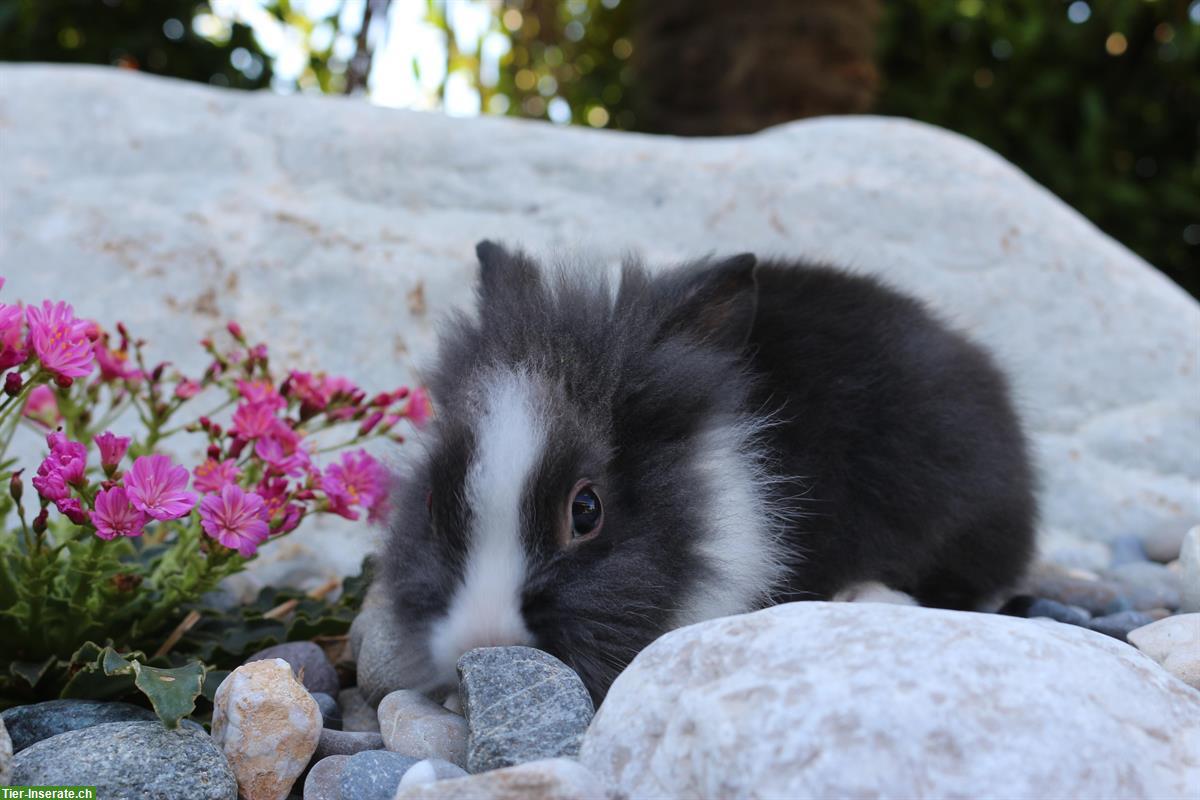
(609, 462)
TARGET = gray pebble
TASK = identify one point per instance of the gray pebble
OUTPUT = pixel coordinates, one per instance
(1189, 571)
(130, 759)
(416, 726)
(32, 723)
(1164, 544)
(308, 663)
(324, 781)
(374, 775)
(346, 743)
(1120, 624)
(1052, 609)
(1072, 588)
(1147, 584)
(1127, 549)
(431, 770)
(331, 715)
(6, 754)
(521, 705)
(357, 714)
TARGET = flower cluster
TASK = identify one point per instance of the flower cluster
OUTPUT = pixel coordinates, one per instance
(260, 474)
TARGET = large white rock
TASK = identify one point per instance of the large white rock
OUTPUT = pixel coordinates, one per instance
(340, 232)
(816, 700)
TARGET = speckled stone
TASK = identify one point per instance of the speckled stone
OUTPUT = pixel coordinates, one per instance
(816, 700)
(309, 664)
(130, 760)
(324, 781)
(32, 723)
(1173, 642)
(268, 726)
(549, 779)
(347, 743)
(357, 714)
(1146, 584)
(416, 726)
(373, 775)
(429, 770)
(521, 705)
(331, 714)
(6, 754)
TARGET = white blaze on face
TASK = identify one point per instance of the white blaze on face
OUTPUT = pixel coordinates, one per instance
(485, 609)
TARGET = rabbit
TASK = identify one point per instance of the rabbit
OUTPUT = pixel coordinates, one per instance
(613, 459)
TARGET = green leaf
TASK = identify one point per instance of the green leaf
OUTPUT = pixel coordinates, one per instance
(31, 672)
(172, 692)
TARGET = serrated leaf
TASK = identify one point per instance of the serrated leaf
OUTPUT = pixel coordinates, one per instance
(172, 692)
(31, 672)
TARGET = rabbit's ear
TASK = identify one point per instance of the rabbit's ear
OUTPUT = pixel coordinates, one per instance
(717, 302)
(503, 274)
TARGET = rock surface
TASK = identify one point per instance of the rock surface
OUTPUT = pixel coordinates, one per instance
(1173, 642)
(6, 755)
(324, 781)
(1189, 566)
(521, 704)
(32, 723)
(250, 205)
(309, 665)
(129, 759)
(357, 714)
(379, 650)
(331, 714)
(267, 725)
(550, 779)
(346, 743)
(429, 770)
(805, 701)
(416, 726)
(373, 775)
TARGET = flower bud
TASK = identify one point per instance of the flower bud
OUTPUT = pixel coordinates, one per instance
(64, 381)
(157, 373)
(39, 522)
(214, 452)
(235, 331)
(369, 423)
(13, 383)
(15, 487)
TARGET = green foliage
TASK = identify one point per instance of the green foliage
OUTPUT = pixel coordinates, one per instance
(1105, 112)
(157, 36)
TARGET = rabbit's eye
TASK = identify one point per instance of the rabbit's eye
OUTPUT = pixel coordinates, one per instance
(587, 515)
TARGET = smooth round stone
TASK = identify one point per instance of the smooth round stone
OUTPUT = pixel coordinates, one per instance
(1127, 549)
(453, 702)
(309, 663)
(130, 760)
(331, 715)
(1146, 584)
(1164, 544)
(547, 779)
(268, 727)
(1120, 624)
(430, 770)
(1073, 552)
(357, 714)
(347, 743)
(1189, 571)
(416, 726)
(1052, 609)
(33, 723)
(1071, 587)
(6, 754)
(324, 781)
(1173, 642)
(374, 775)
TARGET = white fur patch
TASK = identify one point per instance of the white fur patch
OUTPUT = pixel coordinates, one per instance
(873, 592)
(485, 610)
(741, 534)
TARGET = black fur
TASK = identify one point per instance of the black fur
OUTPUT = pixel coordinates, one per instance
(892, 437)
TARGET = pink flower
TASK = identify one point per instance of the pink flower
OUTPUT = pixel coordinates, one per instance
(261, 391)
(252, 420)
(114, 364)
(112, 448)
(235, 518)
(212, 475)
(70, 508)
(49, 482)
(60, 340)
(115, 515)
(420, 408)
(67, 458)
(307, 389)
(42, 407)
(187, 389)
(159, 487)
(284, 515)
(358, 480)
(12, 349)
(281, 449)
